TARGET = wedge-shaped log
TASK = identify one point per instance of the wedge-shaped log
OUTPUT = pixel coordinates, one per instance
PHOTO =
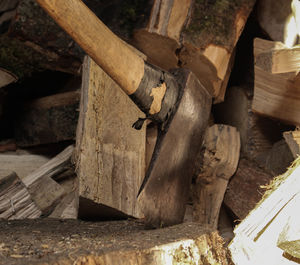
(178, 103)
(293, 140)
(275, 95)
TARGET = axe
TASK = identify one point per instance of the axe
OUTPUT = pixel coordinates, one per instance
(174, 100)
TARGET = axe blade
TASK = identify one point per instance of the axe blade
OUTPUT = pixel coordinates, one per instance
(164, 191)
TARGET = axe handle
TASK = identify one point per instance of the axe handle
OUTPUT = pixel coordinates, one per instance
(123, 65)
(153, 90)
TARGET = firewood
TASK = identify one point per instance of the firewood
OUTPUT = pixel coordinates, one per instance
(292, 138)
(48, 120)
(22, 164)
(260, 237)
(245, 188)
(220, 159)
(31, 41)
(110, 154)
(258, 134)
(44, 191)
(279, 158)
(187, 34)
(120, 242)
(276, 19)
(15, 200)
(275, 95)
(6, 78)
(278, 60)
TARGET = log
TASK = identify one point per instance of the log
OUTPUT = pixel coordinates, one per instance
(15, 200)
(275, 95)
(186, 34)
(47, 120)
(245, 188)
(258, 134)
(292, 138)
(110, 180)
(6, 78)
(31, 41)
(120, 242)
(280, 60)
(277, 20)
(22, 164)
(257, 237)
(44, 191)
(220, 159)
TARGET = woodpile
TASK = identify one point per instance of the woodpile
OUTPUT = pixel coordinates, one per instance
(179, 113)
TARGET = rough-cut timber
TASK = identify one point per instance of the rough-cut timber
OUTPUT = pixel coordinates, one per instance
(245, 188)
(44, 191)
(31, 41)
(292, 138)
(15, 200)
(275, 95)
(50, 242)
(263, 237)
(47, 120)
(277, 20)
(110, 154)
(198, 35)
(258, 134)
(6, 78)
(221, 152)
(165, 193)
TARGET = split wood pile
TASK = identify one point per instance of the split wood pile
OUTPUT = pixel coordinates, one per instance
(68, 149)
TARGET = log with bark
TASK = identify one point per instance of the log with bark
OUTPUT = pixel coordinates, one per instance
(120, 242)
(110, 154)
(220, 159)
(197, 35)
(275, 95)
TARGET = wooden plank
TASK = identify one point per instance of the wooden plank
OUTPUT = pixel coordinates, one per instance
(15, 200)
(275, 95)
(121, 242)
(220, 159)
(292, 138)
(256, 238)
(112, 177)
(49, 119)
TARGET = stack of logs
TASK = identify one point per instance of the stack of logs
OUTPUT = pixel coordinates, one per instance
(68, 149)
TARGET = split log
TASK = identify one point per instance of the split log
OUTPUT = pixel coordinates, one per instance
(279, 158)
(44, 191)
(280, 60)
(6, 78)
(293, 140)
(220, 159)
(22, 164)
(187, 34)
(277, 20)
(121, 242)
(258, 134)
(256, 238)
(15, 200)
(31, 41)
(275, 95)
(48, 120)
(110, 154)
(245, 188)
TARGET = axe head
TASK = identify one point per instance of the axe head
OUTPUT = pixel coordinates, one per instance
(164, 191)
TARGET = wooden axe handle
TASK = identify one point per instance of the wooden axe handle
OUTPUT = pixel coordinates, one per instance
(154, 91)
(122, 64)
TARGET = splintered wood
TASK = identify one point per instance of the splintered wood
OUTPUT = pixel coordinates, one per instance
(220, 159)
(110, 154)
(276, 95)
(268, 235)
